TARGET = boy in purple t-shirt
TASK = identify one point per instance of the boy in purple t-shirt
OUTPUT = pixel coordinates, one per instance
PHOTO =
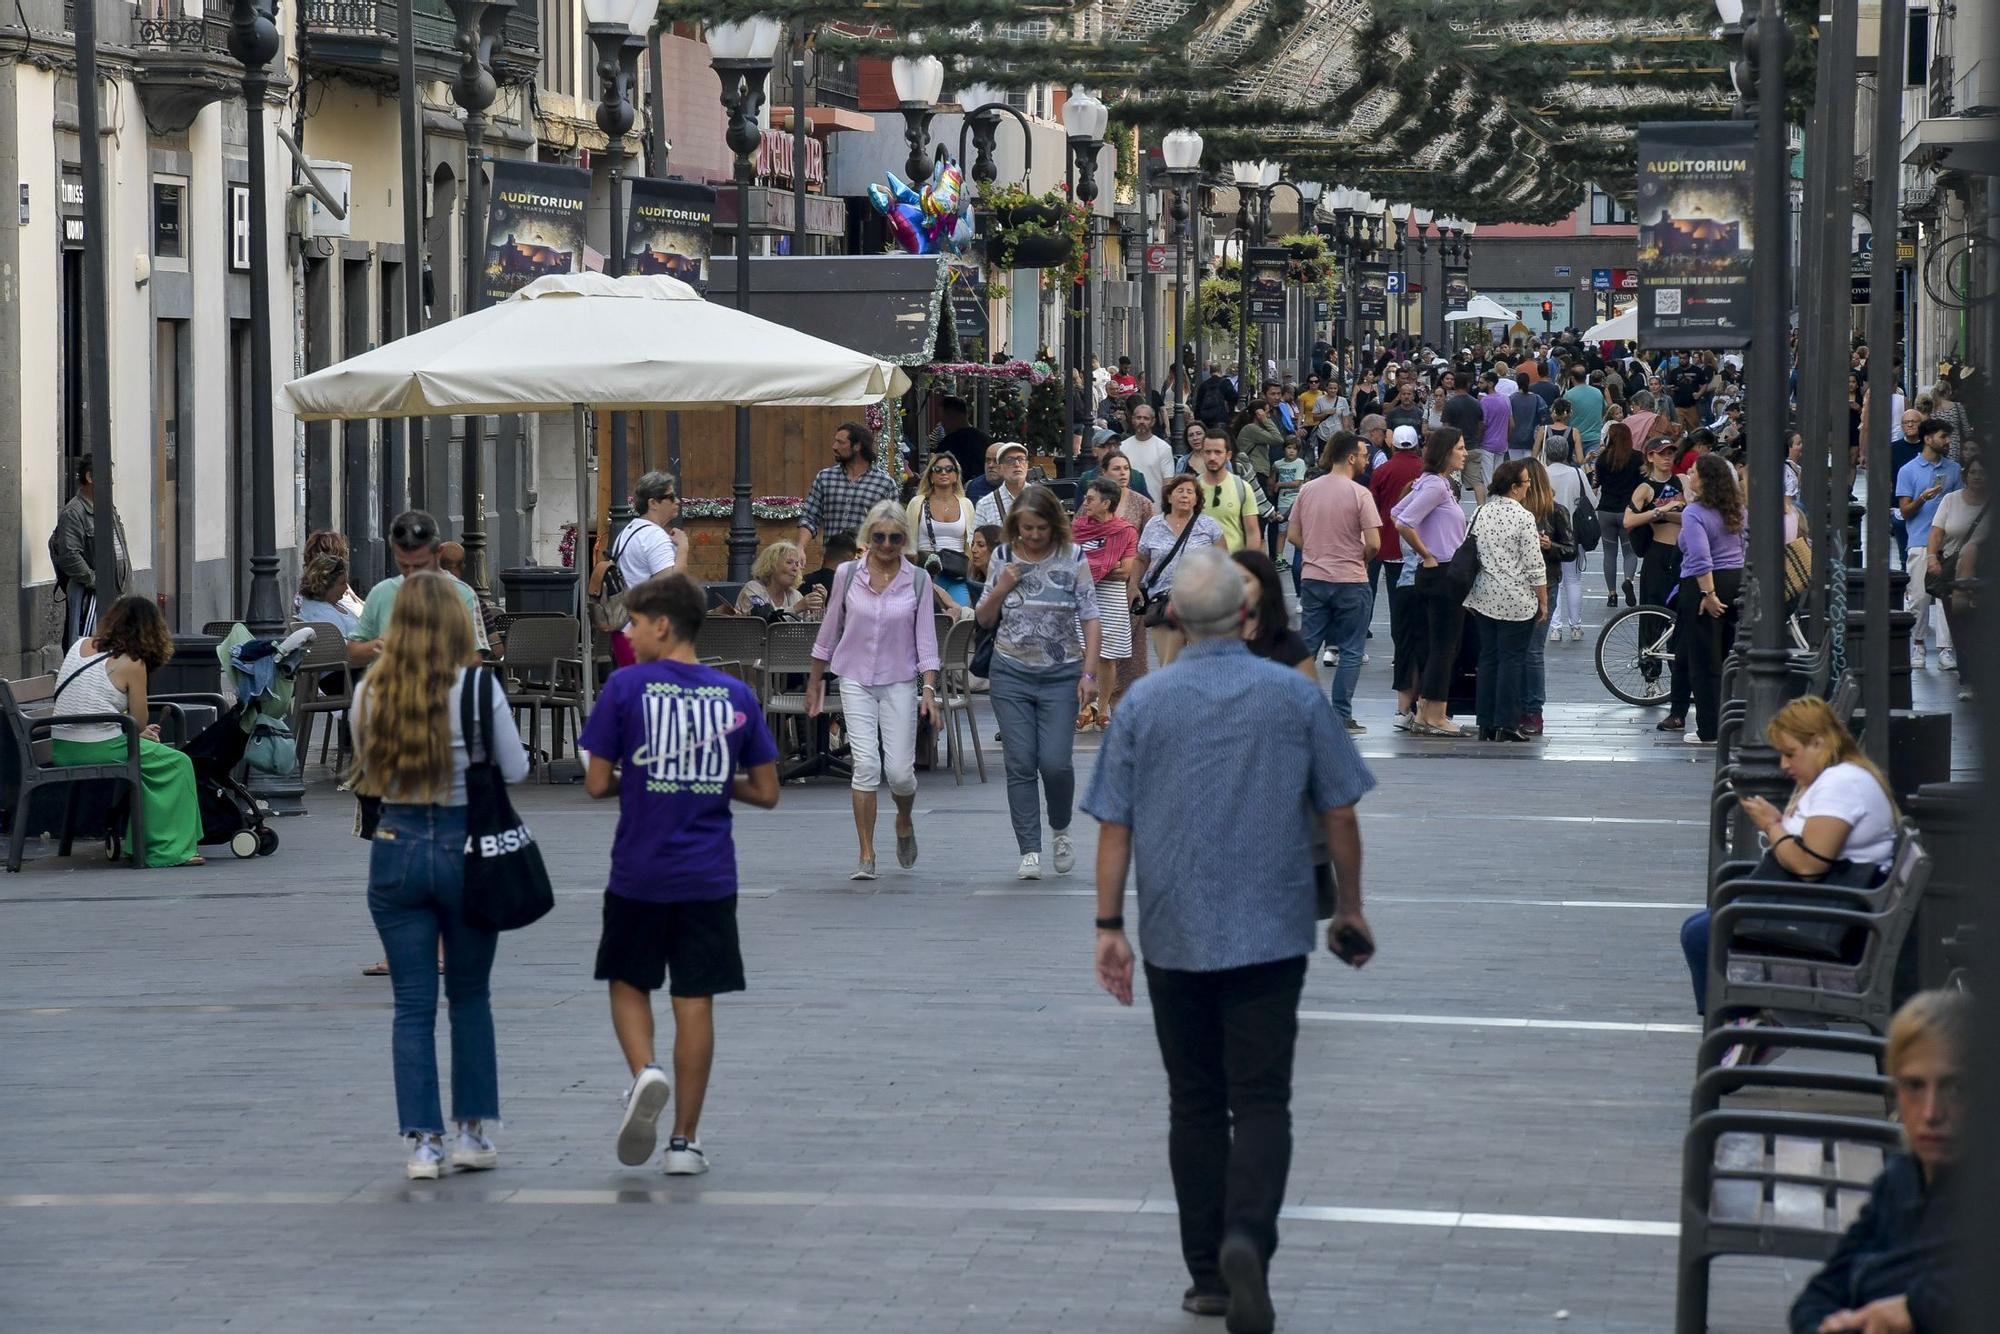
(669, 736)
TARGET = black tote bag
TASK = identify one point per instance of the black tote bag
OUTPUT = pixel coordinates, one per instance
(506, 885)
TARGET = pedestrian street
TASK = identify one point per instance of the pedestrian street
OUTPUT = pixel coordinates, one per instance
(924, 1115)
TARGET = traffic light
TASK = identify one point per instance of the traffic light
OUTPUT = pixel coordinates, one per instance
(1548, 311)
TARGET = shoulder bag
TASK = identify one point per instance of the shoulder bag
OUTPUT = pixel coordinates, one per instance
(607, 588)
(983, 636)
(950, 564)
(1150, 606)
(1583, 519)
(506, 885)
(1938, 582)
(1462, 571)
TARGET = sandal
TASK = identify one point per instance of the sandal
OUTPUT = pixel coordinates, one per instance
(1087, 720)
(1433, 729)
(380, 968)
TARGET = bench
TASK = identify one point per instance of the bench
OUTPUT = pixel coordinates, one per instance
(28, 707)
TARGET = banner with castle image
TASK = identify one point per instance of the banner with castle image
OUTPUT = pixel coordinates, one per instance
(534, 225)
(1695, 234)
(668, 229)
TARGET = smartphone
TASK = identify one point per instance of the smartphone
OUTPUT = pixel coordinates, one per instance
(1351, 947)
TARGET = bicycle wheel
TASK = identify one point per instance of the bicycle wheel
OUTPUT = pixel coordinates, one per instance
(1635, 655)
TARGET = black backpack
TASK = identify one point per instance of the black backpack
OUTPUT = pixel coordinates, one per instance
(62, 575)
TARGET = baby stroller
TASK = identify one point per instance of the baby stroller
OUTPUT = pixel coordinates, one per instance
(229, 814)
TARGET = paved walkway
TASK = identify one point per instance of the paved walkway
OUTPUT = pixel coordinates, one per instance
(925, 1115)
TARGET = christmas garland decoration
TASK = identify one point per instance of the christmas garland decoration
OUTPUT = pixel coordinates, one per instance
(980, 370)
(770, 509)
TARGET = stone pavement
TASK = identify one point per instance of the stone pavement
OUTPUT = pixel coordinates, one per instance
(925, 1115)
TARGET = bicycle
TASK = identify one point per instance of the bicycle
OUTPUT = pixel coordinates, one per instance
(1635, 651)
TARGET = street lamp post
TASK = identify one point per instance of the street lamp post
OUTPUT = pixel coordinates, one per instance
(1756, 769)
(1399, 220)
(253, 40)
(1422, 218)
(1181, 151)
(617, 29)
(742, 55)
(1084, 119)
(1309, 196)
(982, 121)
(918, 80)
(478, 28)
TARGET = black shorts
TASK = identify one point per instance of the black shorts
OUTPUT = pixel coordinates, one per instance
(695, 941)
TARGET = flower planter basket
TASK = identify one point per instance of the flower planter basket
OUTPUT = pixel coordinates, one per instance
(1037, 252)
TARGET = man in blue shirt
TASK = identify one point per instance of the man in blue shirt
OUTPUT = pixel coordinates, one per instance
(1923, 482)
(1226, 922)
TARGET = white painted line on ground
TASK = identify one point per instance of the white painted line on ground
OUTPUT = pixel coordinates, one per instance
(953, 1203)
(1401, 900)
(1490, 1021)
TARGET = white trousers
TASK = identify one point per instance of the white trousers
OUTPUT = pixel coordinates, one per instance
(881, 723)
(1566, 599)
(1928, 629)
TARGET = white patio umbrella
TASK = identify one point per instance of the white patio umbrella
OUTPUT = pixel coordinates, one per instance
(1618, 329)
(1482, 308)
(584, 342)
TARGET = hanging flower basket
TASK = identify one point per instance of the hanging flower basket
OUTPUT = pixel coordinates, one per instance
(1032, 250)
(1036, 212)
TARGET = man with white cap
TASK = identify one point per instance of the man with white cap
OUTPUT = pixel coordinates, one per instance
(993, 506)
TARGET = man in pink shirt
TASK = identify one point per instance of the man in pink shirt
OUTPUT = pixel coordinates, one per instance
(1337, 529)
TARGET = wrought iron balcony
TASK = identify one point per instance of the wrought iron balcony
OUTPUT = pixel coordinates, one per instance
(359, 37)
(183, 62)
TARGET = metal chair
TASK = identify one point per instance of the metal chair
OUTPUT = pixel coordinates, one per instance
(787, 653)
(736, 639)
(543, 673)
(29, 708)
(955, 696)
(324, 686)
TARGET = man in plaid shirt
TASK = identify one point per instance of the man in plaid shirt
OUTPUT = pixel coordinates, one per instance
(842, 495)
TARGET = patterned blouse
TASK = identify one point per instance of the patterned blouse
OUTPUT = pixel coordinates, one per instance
(1510, 562)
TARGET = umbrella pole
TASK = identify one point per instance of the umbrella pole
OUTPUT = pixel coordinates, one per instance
(583, 555)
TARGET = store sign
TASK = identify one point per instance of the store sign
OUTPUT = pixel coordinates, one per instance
(1624, 280)
(1600, 280)
(1695, 233)
(670, 229)
(1159, 259)
(968, 302)
(534, 226)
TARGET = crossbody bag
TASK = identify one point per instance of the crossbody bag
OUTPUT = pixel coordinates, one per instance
(951, 564)
(1149, 606)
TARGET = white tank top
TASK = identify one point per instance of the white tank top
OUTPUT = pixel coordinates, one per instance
(88, 690)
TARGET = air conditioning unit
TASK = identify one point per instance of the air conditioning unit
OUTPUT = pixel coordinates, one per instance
(338, 178)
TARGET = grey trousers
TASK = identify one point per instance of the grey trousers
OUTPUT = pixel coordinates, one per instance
(1037, 715)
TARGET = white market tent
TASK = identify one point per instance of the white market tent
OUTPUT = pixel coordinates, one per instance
(584, 342)
(1482, 308)
(1618, 329)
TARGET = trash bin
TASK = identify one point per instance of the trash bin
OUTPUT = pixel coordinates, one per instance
(1919, 748)
(1945, 814)
(544, 588)
(193, 670)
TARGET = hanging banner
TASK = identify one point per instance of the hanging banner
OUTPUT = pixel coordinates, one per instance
(1457, 288)
(669, 229)
(1372, 298)
(1266, 267)
(534, 226)
(1695, 234)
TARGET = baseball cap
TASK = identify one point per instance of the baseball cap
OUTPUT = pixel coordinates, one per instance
(1372, 422)
(1405, 437)
(1011, 447)
(1660, 442)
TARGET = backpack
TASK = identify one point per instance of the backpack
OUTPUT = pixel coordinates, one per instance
(607, 589)
(62, 575)
(1583, 518)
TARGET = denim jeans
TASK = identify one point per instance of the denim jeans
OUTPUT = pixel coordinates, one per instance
(1037, 715)
(1616, 539)
(1227, 1039)
(1336, 615)
(1694, 944)
(1535, 680)
(1503, 668)
(416, 894)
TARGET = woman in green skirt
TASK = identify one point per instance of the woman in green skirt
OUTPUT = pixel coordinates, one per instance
(106, 673)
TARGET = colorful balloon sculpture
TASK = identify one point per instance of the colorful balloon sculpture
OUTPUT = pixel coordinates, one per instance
(939, 218)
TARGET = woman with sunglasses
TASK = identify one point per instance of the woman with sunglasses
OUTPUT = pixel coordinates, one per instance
(941, 520)
(648, 545)
(879, 637)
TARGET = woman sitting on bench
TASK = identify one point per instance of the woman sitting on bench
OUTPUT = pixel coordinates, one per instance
(1838, 828)
(1893, 1271)
(106, 673)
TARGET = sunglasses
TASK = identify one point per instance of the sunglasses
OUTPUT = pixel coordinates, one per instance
(944, 468)
(885, 539)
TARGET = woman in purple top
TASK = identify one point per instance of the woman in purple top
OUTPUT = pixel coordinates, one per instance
(879, 636)
(1711, 545)
(1431, 524)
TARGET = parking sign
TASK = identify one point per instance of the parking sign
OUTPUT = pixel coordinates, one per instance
(1396, 282)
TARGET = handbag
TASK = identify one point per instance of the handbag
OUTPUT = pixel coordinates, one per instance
(950, 564)
(1938, 582)
(1462, 571)
(983, 636)
(1829, 942)
(1584, 522)
(606, 602)
(506, 884)
(1149, 606)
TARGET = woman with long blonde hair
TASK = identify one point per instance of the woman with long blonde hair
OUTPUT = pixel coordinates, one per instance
(412, 753)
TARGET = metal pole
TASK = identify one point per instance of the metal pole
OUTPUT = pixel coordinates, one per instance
(656, 118)
(1178, 430)
(1072, 354)
(1881, 335)
(472, 531)
(742, 526)
(97, 317)
(1147, 297)
(798, 136)
(406, 464)
(621, 459)
(1199, 208)
(1242, 317)
(1837, 57)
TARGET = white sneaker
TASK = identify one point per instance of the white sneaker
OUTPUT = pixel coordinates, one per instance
(1947, 660)
(472, 1151)
(639, 1131)
(1031, 866)
(1366, 657)
(1327, 657)
(426, 1158)
(1065, 852)
(1916, 655)
(1576, 632)
(685, 1158)
(1406, 722)
(1556, 635)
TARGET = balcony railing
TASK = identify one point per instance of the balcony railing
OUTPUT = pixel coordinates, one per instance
(356, 16)
(363, 33)
(173, 28)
